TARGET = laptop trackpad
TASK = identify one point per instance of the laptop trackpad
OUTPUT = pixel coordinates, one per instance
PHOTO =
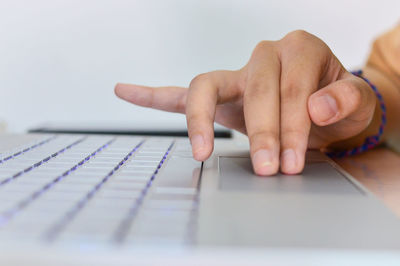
(320, 209)
(320, 177)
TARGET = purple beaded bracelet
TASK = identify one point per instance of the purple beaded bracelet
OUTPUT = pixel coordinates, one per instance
(371, 141)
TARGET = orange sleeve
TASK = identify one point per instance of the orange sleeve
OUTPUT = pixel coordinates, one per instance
(385, 55)
(383, 68)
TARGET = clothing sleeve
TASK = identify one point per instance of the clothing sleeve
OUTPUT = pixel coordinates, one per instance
(385, 59)
(385, 55)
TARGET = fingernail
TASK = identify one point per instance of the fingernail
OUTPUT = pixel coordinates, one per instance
(198, 143)
(262, 161)
(326, 107)
(289, 161)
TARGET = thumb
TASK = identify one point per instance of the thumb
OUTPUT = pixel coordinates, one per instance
(350, 98)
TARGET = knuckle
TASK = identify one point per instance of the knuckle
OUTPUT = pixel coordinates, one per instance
(291, 137)
(263, 45)
(295, 133)
(293, 92)
(242, 81)
(181, 104)
(145, 98)
(353, 95)
(298, 35)
(195, 120)
(199, 79)
(290, 90)
(299, 41)
(254, 95)
(255, 88)
(149, 102)
(263, 139)
(192, 121)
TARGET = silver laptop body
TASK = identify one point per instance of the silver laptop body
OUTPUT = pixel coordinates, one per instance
(118, 200)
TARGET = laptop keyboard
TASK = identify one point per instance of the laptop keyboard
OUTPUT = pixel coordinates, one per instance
(99, 188)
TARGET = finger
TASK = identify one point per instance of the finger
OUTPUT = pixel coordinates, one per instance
(261, 109)
(205, 91)
(171, 99)
(349, 98)
(297, 84)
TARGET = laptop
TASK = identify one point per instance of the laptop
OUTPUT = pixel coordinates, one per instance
(83, 199)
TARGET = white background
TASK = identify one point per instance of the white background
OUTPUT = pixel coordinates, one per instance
(59, 60)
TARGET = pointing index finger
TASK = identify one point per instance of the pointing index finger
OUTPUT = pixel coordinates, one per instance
(171, 99)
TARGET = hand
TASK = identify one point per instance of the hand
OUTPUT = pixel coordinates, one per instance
(293, 94)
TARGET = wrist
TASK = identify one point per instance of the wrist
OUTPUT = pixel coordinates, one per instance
(391, 93)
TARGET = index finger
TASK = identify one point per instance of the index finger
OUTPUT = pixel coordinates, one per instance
(171, 99)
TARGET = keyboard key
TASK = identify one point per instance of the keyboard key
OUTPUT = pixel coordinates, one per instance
(170, 204)
(175, 190)
(119, 194)
(124, 186)
(179, 174)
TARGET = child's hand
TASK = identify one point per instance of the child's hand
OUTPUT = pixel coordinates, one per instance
(292, 94)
